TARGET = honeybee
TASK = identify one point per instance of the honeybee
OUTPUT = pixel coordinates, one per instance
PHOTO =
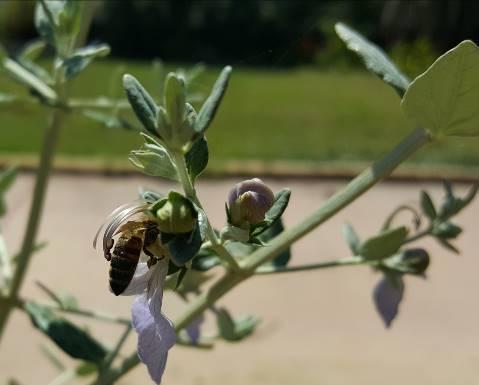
(135, 237)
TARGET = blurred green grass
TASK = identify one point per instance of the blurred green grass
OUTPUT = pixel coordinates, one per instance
(290, 115)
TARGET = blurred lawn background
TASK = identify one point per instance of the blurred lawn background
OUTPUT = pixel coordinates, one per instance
(304, 111)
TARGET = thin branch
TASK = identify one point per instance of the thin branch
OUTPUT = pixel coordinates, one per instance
(263, 270)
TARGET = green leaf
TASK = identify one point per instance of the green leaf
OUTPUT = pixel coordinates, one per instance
(444, 98)
(453, 205)
(82, 57)
(142, 103)
(32, 50)
(234, 329)
(149, 196)
(197, 158)
(209, 108)
(384, 245)
(234, 233)
(46, 19)
(446, 230)
(7, 177)
(85, 369)
(427, 206)
(24, 76)
(7, 98)
(205, 261)
(108, 120)
(272, 232)
(154, 160)
(281, 200)
(183, 247)
(351, 238)
(175, 99)
(66, 335)
(448, 245)
(58, 22)
(374, 58)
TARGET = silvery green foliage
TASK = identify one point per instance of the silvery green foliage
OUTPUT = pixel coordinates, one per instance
(373, 57)
(188, 247)
(444, 98)
(386, 251)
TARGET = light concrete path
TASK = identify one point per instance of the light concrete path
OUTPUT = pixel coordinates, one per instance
(318, 328)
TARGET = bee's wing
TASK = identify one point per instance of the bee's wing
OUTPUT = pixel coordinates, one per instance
(131, 226)
(116, 218)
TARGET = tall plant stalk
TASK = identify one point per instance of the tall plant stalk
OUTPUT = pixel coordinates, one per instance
(49, 146)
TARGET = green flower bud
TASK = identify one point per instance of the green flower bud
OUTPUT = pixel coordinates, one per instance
(248, 203)
(411, 261)
(175, 214)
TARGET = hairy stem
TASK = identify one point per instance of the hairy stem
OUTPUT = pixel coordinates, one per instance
(419, 235)
(262, 270)
(41, 183)
(190, 192)
(358, 186)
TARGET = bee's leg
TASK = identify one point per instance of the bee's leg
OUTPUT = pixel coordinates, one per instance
(151, 262)
(148, 252)
(107, 250)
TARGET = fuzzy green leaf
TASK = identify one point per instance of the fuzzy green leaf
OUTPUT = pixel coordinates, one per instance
(427, 206)
(234, 329)
(272, 232)
(142, 103)
(383, 245)
(7, 177)
(154, 160)
(281, 200)
(82, 57)
(175, 99)
(67, 336)
(197, 158)
(32, 50)
(444, 99)
(374, 58)
(351, 238)
(209, 108)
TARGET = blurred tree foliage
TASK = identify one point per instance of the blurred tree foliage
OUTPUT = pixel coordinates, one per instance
(263, 32)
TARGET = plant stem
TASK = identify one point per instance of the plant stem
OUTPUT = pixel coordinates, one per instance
(263, 270)
(20, 303)
(358, 186)
(341, 199)
(114, 353)
(419, 235)
(41, 183)
(190, 192)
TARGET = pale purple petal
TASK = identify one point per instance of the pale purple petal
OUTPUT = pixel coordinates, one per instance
(387, 297)
(139, 282)
(193, 330)
(156, 334)
(155, 288)
(154, 338)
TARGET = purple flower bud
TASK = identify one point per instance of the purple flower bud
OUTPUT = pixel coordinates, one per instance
(248, 202)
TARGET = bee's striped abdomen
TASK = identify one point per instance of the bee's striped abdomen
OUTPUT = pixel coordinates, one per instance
(123, 263)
